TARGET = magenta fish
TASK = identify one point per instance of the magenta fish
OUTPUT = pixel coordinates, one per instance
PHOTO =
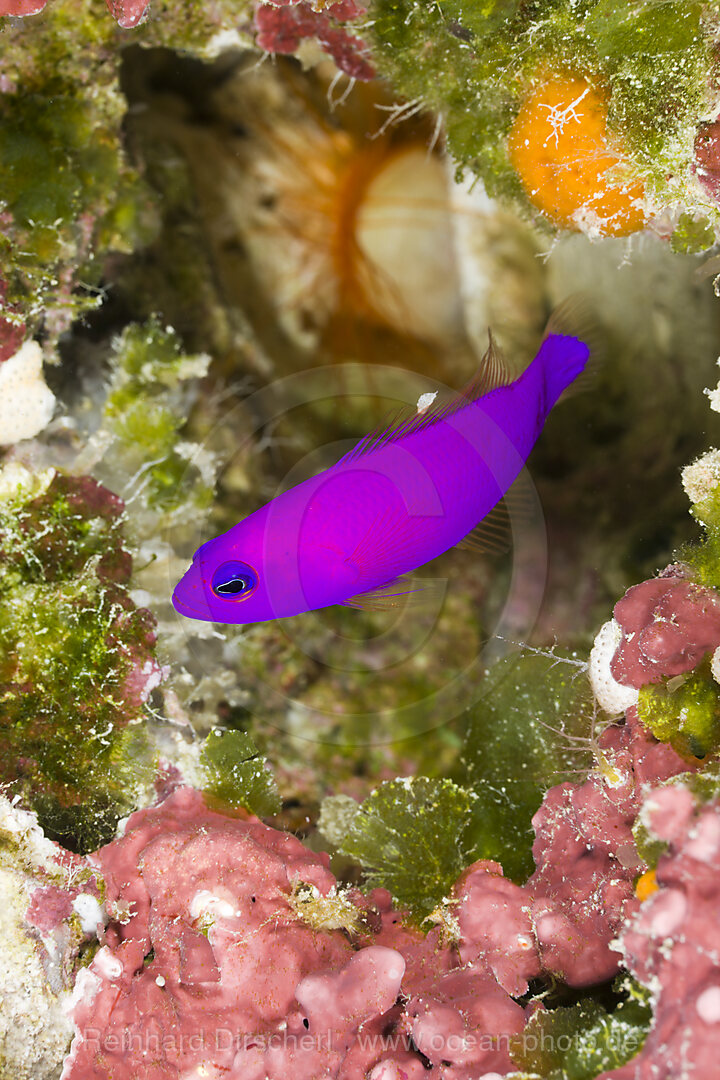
(400, 498)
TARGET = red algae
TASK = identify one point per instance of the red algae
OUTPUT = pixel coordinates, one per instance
(669, 624)
(282, 25)
(673, 942)
(127, 13)
(209, 960)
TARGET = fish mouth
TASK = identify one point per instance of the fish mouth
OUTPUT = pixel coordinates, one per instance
(183, 608)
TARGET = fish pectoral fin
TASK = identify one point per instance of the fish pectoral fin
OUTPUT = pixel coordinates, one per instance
(404, 592)
(493, 535)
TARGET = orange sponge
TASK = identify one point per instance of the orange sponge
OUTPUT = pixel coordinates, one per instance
(646, 885)
(568, 165)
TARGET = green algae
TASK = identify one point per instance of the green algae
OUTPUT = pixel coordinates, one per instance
(68, 196)
(411, 837)
(143, 415)
(71, 643)
(581, 1041)
(475, 64)
(704, 557)
(237, 775)
(692, 234)
(532, 728)
(684, 711)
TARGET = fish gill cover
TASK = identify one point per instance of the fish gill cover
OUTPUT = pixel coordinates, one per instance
(478, 836)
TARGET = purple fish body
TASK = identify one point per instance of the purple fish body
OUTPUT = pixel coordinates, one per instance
(391, 505)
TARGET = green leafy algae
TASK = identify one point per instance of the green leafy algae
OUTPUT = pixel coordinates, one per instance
(237, 775)
(704, 557)
(692, 234)
(531, 729)
(581, 1041)
(684, 711)
(68, 194)
(411, 836)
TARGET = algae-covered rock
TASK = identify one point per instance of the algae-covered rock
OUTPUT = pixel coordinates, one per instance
(236, 774)
(684, 712)
(646, 69)
(35, 975)
(78, 658)
(581, 1041)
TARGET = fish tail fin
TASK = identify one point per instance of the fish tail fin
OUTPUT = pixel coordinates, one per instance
(571, 350)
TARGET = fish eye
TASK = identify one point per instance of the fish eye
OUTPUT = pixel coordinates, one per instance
(234, 581)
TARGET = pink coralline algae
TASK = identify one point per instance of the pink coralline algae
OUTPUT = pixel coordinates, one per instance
(564, 919)
(282, 25)
(21, 7)
(673, 943)
(707, 158)
(128, 13)
(457, 1015)
(12, 331)
(668, 625)
(208, 970)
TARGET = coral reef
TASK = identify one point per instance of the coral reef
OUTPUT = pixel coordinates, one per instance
(649, 69)
(199, 901)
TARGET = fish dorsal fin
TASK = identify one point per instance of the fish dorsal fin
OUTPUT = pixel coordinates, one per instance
(492, 373)
(493, 535)
(405, 591)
